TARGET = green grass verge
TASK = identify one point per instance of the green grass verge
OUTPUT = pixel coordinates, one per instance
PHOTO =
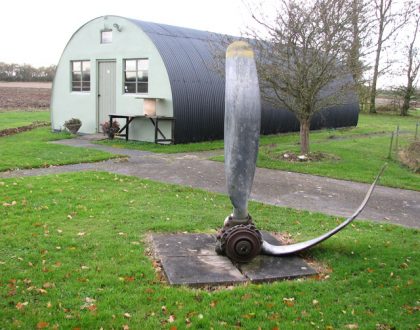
(360, 152)
(359, 160)
(31, 149)
(12, 119)
(72, 255)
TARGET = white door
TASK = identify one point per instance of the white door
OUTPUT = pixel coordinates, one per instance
(106, 91)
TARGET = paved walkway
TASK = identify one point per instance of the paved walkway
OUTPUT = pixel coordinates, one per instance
(299, 191)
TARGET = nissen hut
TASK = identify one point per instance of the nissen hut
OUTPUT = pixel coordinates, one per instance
(158, 79)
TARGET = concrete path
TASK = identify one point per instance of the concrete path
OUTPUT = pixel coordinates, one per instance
(299, 191)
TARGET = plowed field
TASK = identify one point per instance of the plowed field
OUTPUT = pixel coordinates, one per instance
(24, 95)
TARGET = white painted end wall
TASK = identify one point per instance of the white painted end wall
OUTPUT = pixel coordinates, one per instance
(130, 43)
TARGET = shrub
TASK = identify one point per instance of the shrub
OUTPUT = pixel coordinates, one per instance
(110, 131)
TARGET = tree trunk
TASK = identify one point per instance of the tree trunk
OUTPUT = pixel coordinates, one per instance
(382, 17)
(372, 106)
(304, 136)
(407, 97)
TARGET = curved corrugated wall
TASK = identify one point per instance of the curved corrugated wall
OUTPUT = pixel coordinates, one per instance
(198, 92)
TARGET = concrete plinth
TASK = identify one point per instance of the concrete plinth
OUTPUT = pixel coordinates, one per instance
(190, 259)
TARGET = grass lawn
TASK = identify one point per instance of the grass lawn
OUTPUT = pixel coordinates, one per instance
(358, 152)
(31, 149)
(72, 255)
(358, 160)
(12, 119)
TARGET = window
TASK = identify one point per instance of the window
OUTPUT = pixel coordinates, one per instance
(106, 36)
(80, 76)
(136, 76)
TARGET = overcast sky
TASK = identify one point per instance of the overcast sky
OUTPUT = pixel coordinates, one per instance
(36, 31)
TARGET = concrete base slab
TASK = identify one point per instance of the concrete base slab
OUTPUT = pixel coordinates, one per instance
(268, 268)
(190, 259)
(201, 270)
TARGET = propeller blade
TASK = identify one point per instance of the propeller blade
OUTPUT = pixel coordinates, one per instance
(281, 250)
(242, 125)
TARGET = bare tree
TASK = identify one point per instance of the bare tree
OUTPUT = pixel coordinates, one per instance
(301, 57)
(361, 24)
(413, 65)
(388, 20)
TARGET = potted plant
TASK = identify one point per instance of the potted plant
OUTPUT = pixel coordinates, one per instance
(73, 125)
(110, 130)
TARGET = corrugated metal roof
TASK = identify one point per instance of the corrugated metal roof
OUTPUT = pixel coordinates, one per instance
(198, 91)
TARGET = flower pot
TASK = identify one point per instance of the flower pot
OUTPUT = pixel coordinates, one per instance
(73, 128)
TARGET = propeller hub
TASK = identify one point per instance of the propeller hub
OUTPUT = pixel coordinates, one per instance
(241, 243)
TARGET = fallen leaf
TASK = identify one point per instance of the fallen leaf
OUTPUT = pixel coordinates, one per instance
(352, 326)
(21, 306)
(9, 204)
(91, 308)
(82, 233)
(127, 315)
(171, 318)
(11, 292)
(290, 302)
(126, 327)
(315, 302)
(42, 325)
(49, 305)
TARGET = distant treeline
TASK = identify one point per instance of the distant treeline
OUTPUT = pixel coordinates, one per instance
(26, 72)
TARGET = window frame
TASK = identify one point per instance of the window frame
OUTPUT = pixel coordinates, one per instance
(137, 80)
(102, 39)
(84, 84)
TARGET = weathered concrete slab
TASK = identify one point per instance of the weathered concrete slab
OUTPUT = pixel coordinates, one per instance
(190, 259)
(268, 269)
(201, 270)
(172, 245)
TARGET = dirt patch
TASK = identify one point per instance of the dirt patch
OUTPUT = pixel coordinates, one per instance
(16, 130)
(411, 156)
(24, 97)
(317, 156)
